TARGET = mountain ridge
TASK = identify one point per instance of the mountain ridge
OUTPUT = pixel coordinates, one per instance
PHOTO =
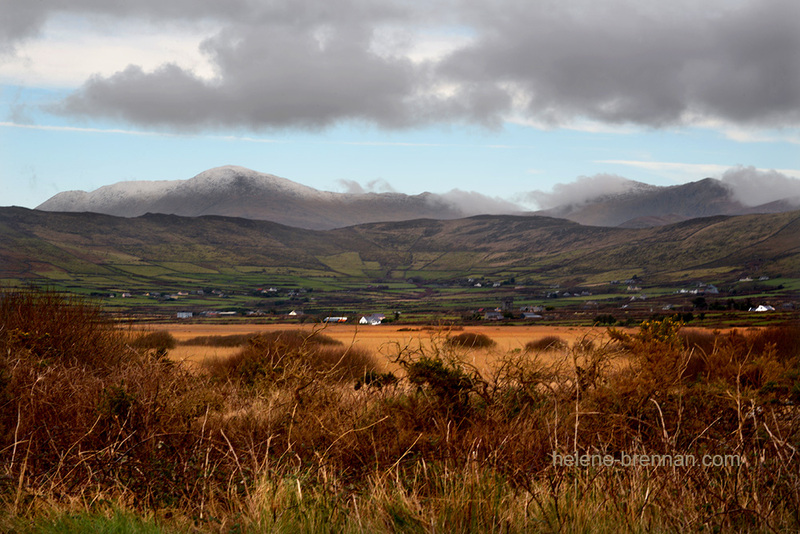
(240, 192)
(36, 244)
(235, 191)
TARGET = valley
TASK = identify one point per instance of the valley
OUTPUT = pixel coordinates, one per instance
(220, 268)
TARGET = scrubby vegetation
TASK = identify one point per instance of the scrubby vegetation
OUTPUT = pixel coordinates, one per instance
(299, 434)
(470, 340)
(161, 341)
(290, 355)
(232, 340)
(546, 343)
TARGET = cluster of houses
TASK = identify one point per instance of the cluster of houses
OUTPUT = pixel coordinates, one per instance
(567, 294)
(633, 286)
(701, 289)
(374, 319)
(525, 312)
(209, 313)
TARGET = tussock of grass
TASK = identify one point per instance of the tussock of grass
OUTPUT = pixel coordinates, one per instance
(547, 343)
(233, 340)
(285, 355)
(160, 340)
(48, 327)
(279, 439)
(470, 340)
(699, 340)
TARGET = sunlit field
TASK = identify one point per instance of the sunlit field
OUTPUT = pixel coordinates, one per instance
(381, 340)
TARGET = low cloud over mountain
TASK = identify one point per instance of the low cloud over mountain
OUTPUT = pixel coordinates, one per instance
(611, 200)
(586, 189)
(239, 192)
(753, 187)
(600, 200)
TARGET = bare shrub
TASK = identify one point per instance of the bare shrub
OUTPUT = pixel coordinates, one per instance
(233, 340)
(344, 362)
(547, 343)
(160, 341)
(93, 415)
(784, 340)
(50, 327)
(470, 340)
(699, 340)
(291, 355)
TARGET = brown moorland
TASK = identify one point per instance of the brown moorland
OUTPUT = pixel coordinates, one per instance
(380, 340)
(650, 430)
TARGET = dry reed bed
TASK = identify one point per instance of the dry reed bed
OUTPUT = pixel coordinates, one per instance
(296, 432)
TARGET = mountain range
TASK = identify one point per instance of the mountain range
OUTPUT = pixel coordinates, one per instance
(645, 205)
(239, 192)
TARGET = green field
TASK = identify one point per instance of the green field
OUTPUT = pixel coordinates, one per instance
(424, 267)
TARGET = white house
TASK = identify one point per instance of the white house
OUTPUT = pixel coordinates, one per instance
(373, 319)
(763, 308)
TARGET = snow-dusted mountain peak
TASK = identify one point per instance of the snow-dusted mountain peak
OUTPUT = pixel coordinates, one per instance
(233, 191)
(240, 192)
(233, 175)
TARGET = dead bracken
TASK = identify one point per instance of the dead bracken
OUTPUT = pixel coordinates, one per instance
(299, 432)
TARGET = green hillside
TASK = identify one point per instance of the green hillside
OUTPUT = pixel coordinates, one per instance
(420, 263)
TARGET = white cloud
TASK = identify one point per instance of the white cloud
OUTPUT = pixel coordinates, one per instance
(78, 129)
(674, 171)
(68, 52)
(419, 44)
(741, 134)
(748, 185)
(378, 185)
(756, 136)
(473, 203)
(688, 172)
(753, 187)
(351, 187)
(576, 124)
(582, 190)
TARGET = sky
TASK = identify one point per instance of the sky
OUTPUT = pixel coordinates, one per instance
(529, 101)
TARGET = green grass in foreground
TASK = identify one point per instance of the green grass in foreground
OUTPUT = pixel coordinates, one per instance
(87, 523)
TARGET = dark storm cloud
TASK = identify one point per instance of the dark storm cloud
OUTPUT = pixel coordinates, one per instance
(313, 63)
(641, 63)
